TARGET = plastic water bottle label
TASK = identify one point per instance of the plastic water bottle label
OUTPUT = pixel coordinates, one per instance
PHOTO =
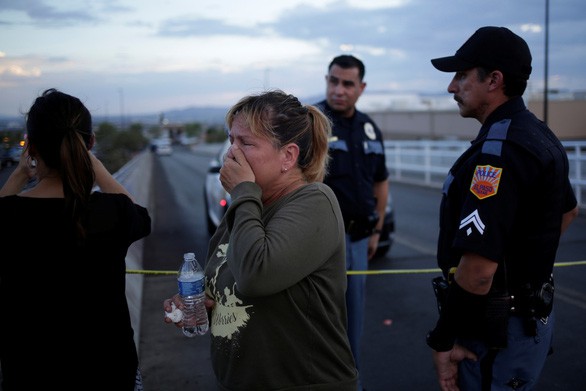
(191, 286)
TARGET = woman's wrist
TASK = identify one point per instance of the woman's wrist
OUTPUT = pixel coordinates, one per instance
(16, 182)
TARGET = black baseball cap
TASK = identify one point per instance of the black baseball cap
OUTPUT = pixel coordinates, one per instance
(495, 48)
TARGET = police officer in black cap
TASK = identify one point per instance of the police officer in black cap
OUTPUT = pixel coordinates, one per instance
(506, 201)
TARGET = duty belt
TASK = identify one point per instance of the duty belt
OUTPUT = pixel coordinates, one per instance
(535, 303)
(360, 228)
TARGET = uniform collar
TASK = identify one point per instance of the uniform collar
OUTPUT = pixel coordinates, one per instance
(507, 110)
(358, 118)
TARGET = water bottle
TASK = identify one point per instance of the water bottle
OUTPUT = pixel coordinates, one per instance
(191, 282)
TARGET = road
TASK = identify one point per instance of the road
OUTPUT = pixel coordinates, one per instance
(400, 303)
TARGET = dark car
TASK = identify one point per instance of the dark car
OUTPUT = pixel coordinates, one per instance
(217, 201)
(10, 156)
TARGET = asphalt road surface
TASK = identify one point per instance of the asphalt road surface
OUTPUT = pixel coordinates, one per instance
(400, 303)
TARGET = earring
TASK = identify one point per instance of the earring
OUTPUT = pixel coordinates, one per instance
(31, 162)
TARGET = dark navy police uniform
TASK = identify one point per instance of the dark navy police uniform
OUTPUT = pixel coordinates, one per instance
(504, 199)
(357, 162)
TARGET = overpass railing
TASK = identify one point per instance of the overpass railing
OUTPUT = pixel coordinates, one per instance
(426, 162)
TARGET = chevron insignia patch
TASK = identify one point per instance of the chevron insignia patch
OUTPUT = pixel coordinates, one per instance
(485, 181)
(472, 220)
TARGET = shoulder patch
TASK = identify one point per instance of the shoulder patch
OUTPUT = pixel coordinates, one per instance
(485, 181)
(369, 131)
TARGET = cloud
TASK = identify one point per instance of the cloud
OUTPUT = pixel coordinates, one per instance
(178, 52)
(41, 12)
(201, 27)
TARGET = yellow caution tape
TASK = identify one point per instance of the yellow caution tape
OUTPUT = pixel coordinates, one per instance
(353, 272)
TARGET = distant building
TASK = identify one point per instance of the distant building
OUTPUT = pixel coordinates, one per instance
(567, 118)
(404, 116)
(173, 131)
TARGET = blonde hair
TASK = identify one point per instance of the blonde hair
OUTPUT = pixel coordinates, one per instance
(281, 118)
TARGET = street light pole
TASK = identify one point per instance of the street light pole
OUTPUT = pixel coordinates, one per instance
(545, 77)
(121, 91)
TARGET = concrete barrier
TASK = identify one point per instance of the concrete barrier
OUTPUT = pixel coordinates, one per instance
(135, 176)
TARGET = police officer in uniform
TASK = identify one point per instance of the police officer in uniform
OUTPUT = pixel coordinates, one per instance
(358, 175)
(506, 201)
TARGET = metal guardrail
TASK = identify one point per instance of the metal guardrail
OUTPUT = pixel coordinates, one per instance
(426, 162)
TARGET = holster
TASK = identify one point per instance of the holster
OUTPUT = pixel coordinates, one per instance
(534, 304)
(360, 228)
(440, 288)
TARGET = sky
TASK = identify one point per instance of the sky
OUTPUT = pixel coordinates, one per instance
(145, 56)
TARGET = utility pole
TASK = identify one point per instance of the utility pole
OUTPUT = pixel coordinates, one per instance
(545, 77)
(121, 91)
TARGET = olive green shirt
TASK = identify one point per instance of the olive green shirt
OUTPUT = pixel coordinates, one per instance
(278, 275)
